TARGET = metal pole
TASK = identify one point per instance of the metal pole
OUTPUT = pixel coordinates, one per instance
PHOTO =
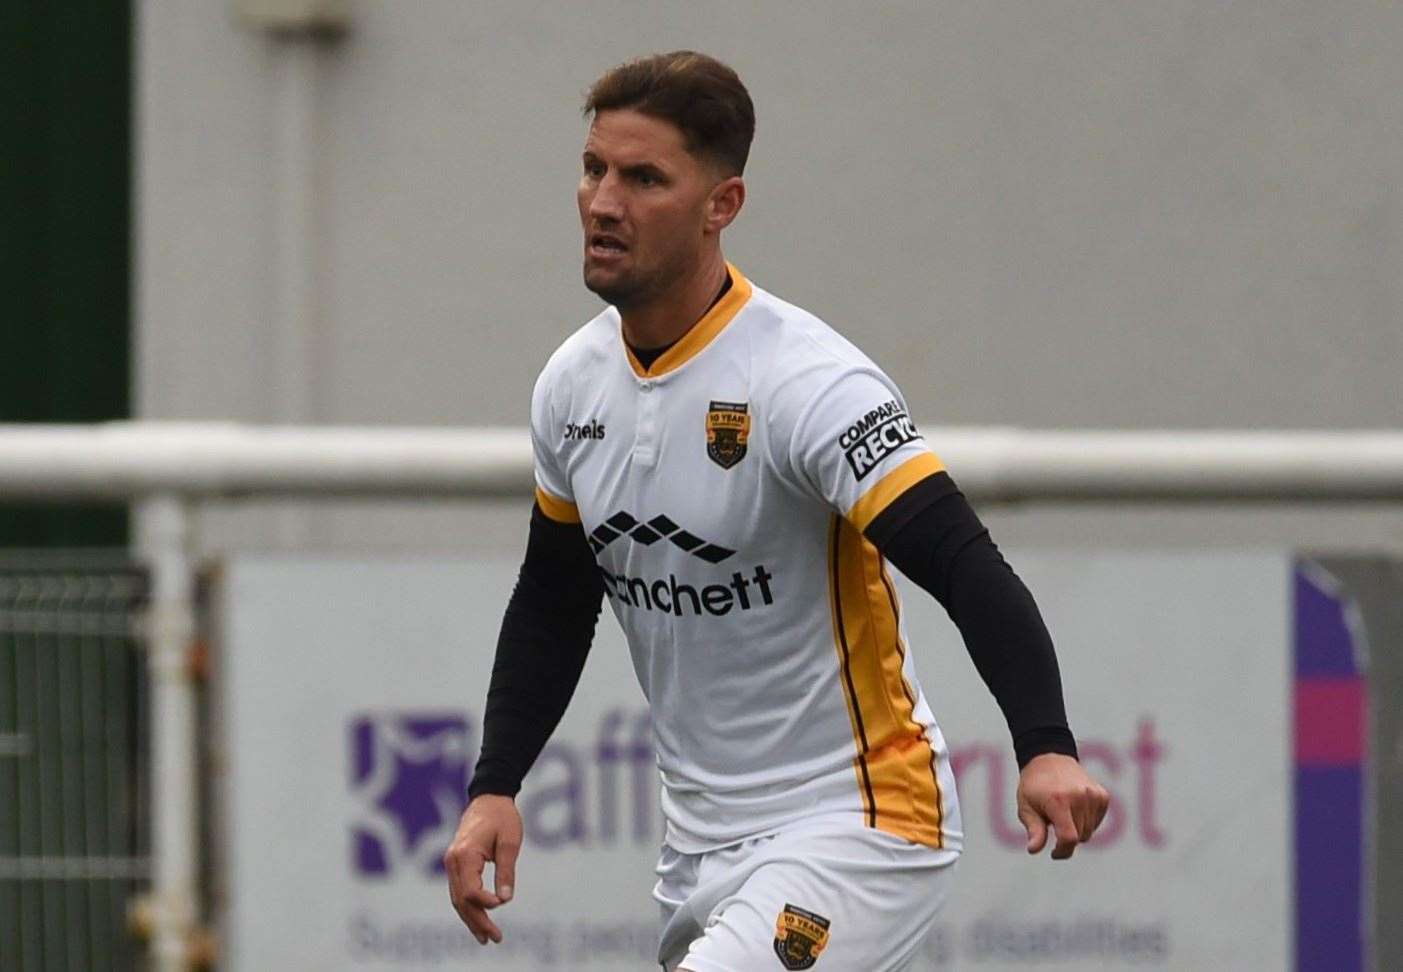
(296, 246)
(164, 542)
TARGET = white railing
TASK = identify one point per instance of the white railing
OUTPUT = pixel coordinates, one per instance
(200, 461)
(167, 468)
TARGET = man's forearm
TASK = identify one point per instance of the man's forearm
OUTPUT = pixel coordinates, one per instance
(541, 650)
(934, 538)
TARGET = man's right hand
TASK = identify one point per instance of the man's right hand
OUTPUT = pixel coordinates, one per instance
(489, 831)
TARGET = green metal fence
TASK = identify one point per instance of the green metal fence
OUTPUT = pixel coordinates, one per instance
(73, 849)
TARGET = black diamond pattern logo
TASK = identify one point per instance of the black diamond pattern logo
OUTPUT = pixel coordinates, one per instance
(713, 554)
(621, 521)
(687, 541)
(657, 528)
(663, 525)
(644, 535)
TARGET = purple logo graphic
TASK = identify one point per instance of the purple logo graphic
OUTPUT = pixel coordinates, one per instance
(409, 774)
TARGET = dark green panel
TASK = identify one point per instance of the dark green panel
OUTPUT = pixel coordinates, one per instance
(65, 174)
(72, 747)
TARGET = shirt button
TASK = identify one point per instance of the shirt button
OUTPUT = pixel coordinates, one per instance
(646, 386)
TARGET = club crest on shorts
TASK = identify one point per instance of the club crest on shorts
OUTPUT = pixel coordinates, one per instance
(727, 432)
(800, 937)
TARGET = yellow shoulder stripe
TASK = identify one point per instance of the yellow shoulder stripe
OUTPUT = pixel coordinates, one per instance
(892, 485)
(559, 510)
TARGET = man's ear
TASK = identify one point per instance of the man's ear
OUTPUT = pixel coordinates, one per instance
(724, 203)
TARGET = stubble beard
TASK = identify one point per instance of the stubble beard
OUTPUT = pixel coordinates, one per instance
(631, 289)
(622, 293)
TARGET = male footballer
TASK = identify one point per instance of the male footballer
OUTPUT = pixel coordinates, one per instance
(735, 477)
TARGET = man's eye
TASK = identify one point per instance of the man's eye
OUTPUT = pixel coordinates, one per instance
(648, 179)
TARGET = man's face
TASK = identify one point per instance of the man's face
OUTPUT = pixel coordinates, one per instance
(643, 206)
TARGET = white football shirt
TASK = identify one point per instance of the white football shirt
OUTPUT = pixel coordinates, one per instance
(724, 492)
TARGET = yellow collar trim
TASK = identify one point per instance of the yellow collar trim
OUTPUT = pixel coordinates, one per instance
(702, 333)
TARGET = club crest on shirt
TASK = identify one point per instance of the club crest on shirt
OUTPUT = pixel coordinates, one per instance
(800, 937)
(727, 431)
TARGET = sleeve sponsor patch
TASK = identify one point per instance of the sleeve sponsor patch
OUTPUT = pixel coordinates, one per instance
(875, 436)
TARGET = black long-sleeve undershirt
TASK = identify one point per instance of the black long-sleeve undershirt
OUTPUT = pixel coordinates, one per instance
(934, 537)
(541, 651)
(930, 533)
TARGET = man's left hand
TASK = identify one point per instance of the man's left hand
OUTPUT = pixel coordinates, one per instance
(1055, 793)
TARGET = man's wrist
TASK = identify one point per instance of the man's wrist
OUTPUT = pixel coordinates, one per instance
(1044, 739)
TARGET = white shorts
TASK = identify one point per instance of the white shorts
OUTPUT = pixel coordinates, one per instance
(829, 891)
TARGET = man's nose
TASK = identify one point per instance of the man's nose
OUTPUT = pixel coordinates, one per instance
(606, 205)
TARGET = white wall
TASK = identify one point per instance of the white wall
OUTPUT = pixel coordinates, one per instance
(1147, 214)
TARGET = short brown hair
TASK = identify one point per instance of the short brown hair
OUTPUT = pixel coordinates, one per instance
(704, 98)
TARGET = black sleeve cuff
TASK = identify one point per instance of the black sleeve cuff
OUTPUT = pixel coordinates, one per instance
(490, 776)
(1046, 739)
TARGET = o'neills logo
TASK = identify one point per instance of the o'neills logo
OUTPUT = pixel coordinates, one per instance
(590, 430)
(671, 596)
(876, 435)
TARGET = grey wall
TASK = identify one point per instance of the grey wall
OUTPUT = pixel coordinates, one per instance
(1132, 215)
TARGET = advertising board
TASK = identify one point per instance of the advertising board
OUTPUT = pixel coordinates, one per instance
(351, 695)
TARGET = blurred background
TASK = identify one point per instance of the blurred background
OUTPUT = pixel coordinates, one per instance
(1181, 215)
